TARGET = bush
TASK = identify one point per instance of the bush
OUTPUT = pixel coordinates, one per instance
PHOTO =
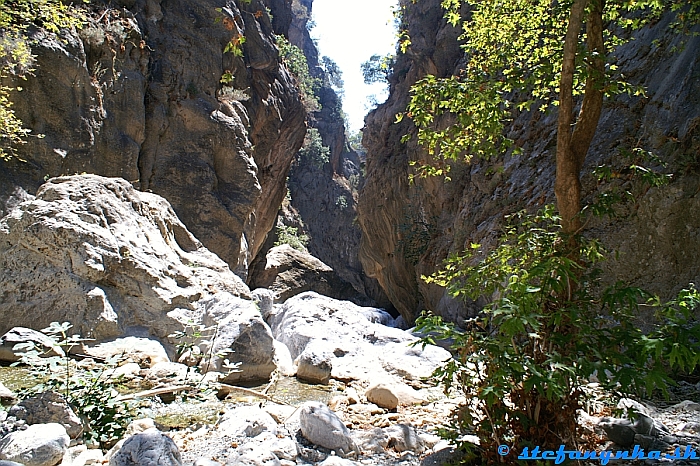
(550, 326)
(313, 151)
(90, 391)
(293, 57)
(290, 235)
(16, 59)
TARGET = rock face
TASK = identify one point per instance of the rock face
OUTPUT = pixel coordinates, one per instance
(408, 229)
(138, 94)
(287, 272)
(114, 261)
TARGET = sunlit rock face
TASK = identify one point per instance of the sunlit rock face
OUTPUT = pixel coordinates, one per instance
(113, 262)
(137, 93)
(408, 229)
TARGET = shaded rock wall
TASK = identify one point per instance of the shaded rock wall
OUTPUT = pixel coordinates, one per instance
(408, 229)
(137, 94)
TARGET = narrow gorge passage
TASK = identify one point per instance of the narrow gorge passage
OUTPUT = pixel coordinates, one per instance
(254, 300)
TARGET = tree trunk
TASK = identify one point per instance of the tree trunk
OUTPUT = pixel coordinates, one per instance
(573, 144)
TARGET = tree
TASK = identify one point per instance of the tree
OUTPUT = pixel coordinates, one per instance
(520, 53)
(334, 73)
(16, 59)
(377, 69)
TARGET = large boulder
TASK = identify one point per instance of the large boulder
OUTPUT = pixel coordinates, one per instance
(288, 272)
(38, 445)
(321, 426)
(19, 335)
(358, 346)
(241, 336)
(117, 262)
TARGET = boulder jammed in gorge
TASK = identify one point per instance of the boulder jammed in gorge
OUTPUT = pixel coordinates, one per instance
(146, 91)
(288, 272)
(114, 261)
(408, 229)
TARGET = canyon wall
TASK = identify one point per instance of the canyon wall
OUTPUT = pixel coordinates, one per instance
(147, 91)
(323, 196)
(410, 228)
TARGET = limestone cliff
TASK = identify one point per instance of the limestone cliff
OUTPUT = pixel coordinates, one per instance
(408, 229)
(138, 93)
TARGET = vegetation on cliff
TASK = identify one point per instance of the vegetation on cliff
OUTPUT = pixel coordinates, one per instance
(16, 59)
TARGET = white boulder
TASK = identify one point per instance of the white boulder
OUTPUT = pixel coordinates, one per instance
(321, 426)
(38, 445)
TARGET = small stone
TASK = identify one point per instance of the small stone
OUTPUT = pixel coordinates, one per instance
(623, 431)
(686, 406)
(351, 394)
(46, 408)
(314, 365)
(167, 371)
(7, 397)
(143, 351)
(382, 395)
(246, 421)
(321, 426)
(80, 455)
(691, 427)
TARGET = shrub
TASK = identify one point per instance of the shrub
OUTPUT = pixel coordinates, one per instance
(296, 63)
(290, 235)
(551, 325)
(16, 59)
(89, 390)
(313, 151)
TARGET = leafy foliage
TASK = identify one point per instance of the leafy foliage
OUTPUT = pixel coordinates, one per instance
(296, 62)
(514, 51)
(377, 69)
(550, 326)
(16, 59)
(313, 151)
(333, 73)
(290, 235)
(89, 390)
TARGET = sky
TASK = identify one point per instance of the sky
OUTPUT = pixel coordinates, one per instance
(349, 32)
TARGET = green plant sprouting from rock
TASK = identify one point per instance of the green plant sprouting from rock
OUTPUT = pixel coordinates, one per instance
(313, 151)
(89, 389)
(293, 57)
(290, 235)
(16, 59)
